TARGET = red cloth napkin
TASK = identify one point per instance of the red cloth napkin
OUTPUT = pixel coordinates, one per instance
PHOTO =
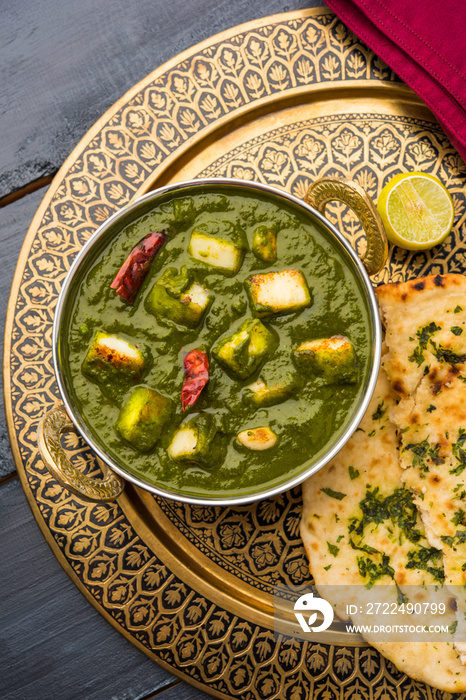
(423, 42)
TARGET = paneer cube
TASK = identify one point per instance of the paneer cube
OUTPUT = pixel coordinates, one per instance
(197, 298)
(333, 358)
(278, 292)
(217, 252)
(143, 417)
(184, 443)
(258, 439)
(179, 298)
(261, 395)
(114, 364)
(264, 244)
(197, 440)
(242, 353)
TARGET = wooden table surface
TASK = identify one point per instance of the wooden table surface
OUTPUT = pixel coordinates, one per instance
(62, 65)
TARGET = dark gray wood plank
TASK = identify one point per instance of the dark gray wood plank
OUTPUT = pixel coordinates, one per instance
(53, 644)
(64, 63)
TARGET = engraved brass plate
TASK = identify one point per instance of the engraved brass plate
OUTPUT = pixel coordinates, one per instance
(282, 100)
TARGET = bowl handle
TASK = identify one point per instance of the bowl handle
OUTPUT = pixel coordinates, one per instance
(356, 198)
(51, 427)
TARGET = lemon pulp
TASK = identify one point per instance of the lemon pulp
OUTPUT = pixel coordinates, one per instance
(417, 210)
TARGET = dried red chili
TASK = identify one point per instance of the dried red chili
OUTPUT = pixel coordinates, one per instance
(196, 371)
(136, 266)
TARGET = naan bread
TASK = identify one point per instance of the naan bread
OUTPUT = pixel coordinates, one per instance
(425, 324)
(391, 551)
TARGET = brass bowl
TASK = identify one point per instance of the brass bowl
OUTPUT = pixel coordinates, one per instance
(68, 418)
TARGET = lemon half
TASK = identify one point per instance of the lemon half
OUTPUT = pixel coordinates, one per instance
(417, 211)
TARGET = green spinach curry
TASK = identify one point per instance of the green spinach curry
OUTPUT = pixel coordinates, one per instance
(249, 312)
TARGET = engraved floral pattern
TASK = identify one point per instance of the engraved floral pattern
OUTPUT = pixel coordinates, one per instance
(347, 148)
(385, 149)
(259, 544)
